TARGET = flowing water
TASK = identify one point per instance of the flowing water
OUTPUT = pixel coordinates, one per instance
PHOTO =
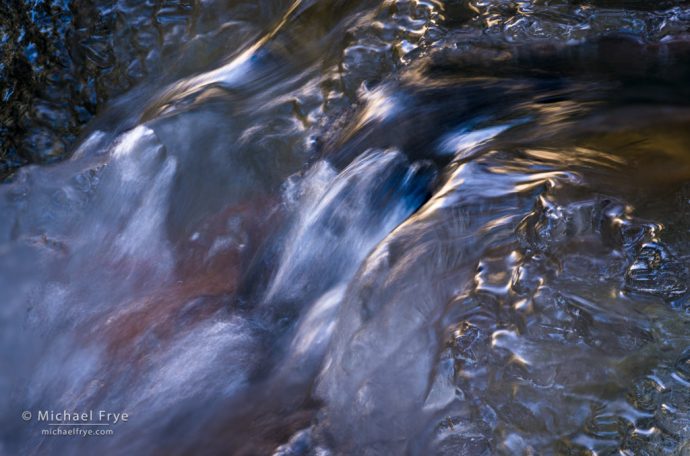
(454, 227)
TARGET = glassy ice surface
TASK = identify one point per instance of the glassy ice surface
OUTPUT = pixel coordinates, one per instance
(333, 228)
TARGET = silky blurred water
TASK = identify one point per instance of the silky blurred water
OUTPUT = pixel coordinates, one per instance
(350, 228)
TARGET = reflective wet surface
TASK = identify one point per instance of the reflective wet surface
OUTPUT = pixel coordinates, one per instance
(401, 227)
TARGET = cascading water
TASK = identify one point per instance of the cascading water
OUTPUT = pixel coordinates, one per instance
(334, 228)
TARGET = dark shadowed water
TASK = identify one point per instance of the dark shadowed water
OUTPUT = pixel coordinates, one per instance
(415, 227)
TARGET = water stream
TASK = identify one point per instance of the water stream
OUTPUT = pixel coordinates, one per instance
(453, 227)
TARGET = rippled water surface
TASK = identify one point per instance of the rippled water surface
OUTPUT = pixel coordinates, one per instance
(302, 227)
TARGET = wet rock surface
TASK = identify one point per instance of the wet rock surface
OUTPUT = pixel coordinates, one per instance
(62, 61)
